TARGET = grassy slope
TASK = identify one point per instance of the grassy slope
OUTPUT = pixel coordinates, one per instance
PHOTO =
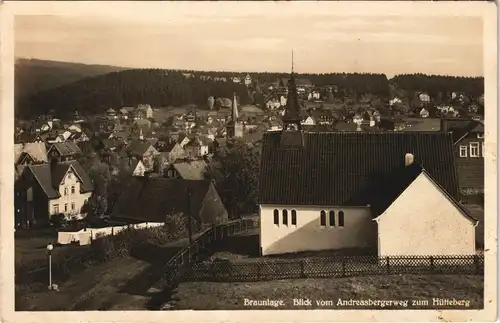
(225, 296)
(33, 75)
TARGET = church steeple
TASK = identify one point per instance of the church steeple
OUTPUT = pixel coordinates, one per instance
(234, 128)
(234, 114)
(291, 119)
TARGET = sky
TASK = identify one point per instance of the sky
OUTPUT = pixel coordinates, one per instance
(322, 43)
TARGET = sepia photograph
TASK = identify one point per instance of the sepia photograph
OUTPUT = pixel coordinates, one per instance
(266, 157)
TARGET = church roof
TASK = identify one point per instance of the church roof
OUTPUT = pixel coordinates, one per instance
(340, 168)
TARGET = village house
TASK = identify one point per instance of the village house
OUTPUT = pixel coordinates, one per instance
(197, 147)
(132, 165)
(220, 79)
(63, 151)
(27, 137)
(469, 150)
(424, 113)
(144, 111)
(154, 199)
(394, 192)
(111, 114)
(45, 190)
(126, 112)
(28, 154)
(248, 80)
(173, 151)
(189, 169)
(424, 97)
(142, 150)
(236, 80)
(105, 125)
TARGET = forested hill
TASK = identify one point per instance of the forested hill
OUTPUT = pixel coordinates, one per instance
(35, 75)
(160, 87)
(129, 88)
(437, 85)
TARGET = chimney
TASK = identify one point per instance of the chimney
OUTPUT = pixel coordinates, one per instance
(408, 159)
(444, 125)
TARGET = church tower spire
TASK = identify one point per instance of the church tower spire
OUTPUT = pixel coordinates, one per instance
(234, 128)
(291, 119)
(234, 114)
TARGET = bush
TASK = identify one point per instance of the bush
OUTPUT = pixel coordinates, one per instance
(121, 244)
(58, 220)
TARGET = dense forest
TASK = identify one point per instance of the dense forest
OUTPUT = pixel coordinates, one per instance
(160, 87)
(35, 75)
(437, 85)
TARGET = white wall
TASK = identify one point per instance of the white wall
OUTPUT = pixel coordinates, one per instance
(359, 229)
(77, 198)
(84, 237)
(423, 221)
(139, 169)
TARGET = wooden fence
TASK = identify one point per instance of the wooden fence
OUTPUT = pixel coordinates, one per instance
(182, 263)
(337, 266)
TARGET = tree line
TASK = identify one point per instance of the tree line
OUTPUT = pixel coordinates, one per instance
(160, 87)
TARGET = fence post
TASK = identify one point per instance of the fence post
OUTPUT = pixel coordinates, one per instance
(343, 266)
(476, 263)
(431, 258)
(387, 265)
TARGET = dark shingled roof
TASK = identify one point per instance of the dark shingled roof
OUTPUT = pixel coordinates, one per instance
(67, 148)
(152, 199)
(49, 176)
(459, 131)
(341, 168)
(138, 147)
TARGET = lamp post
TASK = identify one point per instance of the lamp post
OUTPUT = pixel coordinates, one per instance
(49, 249)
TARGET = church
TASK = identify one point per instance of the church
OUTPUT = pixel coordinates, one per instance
(394, 193)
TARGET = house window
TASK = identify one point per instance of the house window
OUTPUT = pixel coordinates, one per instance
(285, 217)
(72, 189)
(56, 208)
(73, 206)
(65, 191)
(65, 207)
(480, 135)
(294, 217)
(332, 218)
(463, 151)
(323, 218)
(474, 149)
(276, 217)
(341, 218)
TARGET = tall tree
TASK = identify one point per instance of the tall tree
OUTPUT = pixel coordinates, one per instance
(235, 170)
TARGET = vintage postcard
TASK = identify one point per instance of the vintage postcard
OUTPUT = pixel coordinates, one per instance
(248, 161)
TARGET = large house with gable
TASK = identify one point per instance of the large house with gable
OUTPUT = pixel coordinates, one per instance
(44, 190)
(394, 192)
